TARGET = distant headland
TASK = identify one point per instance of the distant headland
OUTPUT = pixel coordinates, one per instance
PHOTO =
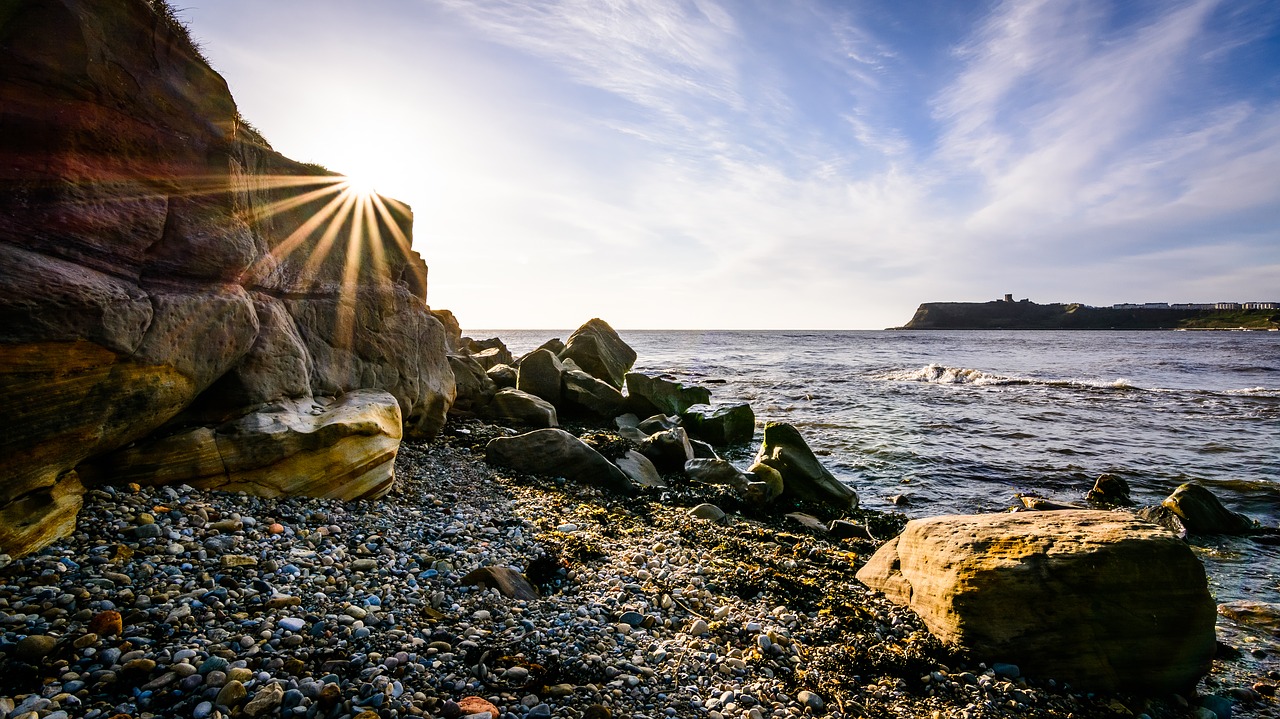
(1008, 314)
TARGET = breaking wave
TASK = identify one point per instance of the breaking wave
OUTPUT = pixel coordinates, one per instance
(941, 374)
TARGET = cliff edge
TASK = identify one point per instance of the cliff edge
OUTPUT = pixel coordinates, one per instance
(179, 302)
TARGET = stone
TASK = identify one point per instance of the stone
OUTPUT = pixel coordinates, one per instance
(476, 705)
(35, 647)
(475, 388)
(768, 476)
(493, 356)
(506, 580)
(344, 449)
(669, 450)
(539, 375)
(106, 623)
(709, 512)
(598, 350)
(514, 406)
(231, 694)
(640, 470)
(702, 450)
(803, 476)
(586, 394)
(716, 471)
(1102, 600)
(503, 375)
(265, 700)
(656, 423)
(649, 395)
(722, 426)
(808, 521)
(1109, 490)
(556, 453)
(1202, 513)
(844, 529)
(452, 331)
(553, 345)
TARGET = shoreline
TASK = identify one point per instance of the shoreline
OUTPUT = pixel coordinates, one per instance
(645, 611)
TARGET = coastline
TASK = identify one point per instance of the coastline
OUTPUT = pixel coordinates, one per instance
(360, 609)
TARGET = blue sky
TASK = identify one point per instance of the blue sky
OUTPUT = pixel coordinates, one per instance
(785, 164)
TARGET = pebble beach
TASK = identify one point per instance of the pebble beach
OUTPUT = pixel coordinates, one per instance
(170, 601)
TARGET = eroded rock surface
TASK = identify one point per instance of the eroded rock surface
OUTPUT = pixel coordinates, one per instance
(161, 266)
(557, 453)
(803, 476)
(1103, 600)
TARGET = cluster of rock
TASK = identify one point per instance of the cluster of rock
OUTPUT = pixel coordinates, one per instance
(585, 377)
(178, 302)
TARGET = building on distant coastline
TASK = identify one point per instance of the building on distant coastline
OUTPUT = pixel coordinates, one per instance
(1008, 297)
(1196, 306)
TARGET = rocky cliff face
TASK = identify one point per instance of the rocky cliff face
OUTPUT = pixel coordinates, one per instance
(162, 269)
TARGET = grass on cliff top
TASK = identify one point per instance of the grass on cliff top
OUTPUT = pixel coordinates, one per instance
(1231, 319)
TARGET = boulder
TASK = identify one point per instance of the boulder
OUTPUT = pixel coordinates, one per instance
(702, 450)
(598, 350)
(452, 331)
(716, 471)
(770, 477)
(628, 420)
(539, 375)
(503, 375)
(1099, 599)
(649, 395)
(640, 470)
(722, 426)
(553, 345)
(656, 423)
(475, 389)
(1109, 490)
(341, 449)
(493, 356)
(584, 393)
(803, 476)
(668, 450)
(1202, 513)
(556, 453)
(162, 268)
(512, 405)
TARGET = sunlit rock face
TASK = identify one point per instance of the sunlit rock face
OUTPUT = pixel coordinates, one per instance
(162, 268)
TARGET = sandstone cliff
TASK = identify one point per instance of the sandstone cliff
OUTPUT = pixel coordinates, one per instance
(163, 269)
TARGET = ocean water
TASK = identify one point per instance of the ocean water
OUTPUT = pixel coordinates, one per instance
(962, 421)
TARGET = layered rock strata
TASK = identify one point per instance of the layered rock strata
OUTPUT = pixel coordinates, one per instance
(164, 268)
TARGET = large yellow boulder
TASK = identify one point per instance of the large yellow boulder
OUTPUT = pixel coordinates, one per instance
(1102, 600)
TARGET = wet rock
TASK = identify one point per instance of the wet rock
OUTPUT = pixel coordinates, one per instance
(669, 450)
(803, 476)
(649, 395)
(1109, 490)
(231, 694)
(557, 453)
(716, 471)
(722, 426)
(1082, 596)
(1202, 513)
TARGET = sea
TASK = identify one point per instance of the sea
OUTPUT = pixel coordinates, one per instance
(958, 422)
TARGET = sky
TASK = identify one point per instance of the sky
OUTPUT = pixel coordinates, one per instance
(785, 164)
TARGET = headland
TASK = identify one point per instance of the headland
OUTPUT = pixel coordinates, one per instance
(1007, 314)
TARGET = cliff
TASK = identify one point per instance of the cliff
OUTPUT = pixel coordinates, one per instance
(165, 277)
(1031, 316)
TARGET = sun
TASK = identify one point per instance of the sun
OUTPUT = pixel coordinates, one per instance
(359, 186)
